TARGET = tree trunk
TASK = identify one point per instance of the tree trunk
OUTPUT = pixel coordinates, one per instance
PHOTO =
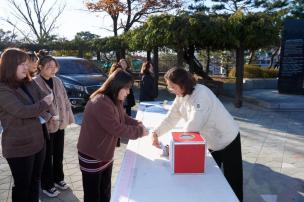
(123, 53)
(239, 77)
(252, 54)
(98, 55)
(226, 68)
(80, 52)
(179, 58)
(194, 65)
(149, 55)
(208, 60)
(115, 31)
(155, 69)
(272, 57)
(118, 56)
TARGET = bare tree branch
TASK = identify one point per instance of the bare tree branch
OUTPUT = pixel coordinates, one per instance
(37, 16)
(26, 36)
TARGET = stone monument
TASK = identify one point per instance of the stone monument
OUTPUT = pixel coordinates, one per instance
(291, 74)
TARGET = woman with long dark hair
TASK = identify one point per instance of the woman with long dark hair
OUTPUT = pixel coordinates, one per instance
(147, 85)
(130, 101)
(62, 115)
(104, 121)
(203, 112)
(22, 104)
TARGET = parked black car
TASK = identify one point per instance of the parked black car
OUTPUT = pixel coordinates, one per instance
(80, 78)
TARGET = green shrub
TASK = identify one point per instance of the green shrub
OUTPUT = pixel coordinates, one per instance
(272, 73)
(65, 53)
(254, 71)
(88, 55)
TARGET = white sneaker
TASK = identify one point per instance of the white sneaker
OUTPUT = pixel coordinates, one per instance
(52, 192)
(61, 185)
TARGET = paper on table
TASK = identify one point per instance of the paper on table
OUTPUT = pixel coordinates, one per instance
(153, 120)
(156, 109)
(155, 106)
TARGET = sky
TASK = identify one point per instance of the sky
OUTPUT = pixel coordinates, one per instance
(75, 18)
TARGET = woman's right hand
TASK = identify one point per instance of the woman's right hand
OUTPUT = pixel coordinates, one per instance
(55, 118)
(155, 141)
(48, 99)
(54, 122)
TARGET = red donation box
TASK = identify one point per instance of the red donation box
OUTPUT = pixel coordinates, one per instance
(187, 153)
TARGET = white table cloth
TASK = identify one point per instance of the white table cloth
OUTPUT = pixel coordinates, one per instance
(145, 175)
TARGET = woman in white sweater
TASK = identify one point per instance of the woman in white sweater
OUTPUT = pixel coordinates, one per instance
(204, 113)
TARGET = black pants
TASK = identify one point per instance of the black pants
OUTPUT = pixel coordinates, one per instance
(97, 186)
(128, 110)
(26, 172)
(53, 167)
(230, 160)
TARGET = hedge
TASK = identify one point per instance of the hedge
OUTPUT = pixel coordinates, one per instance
(255, 71)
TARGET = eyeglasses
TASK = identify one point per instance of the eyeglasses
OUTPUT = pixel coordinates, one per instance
(52, 67)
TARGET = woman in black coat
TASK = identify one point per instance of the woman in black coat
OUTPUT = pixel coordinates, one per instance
(147, 85)
(130, 100)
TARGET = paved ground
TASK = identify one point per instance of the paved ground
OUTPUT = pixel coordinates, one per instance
(272, 146)
(272, 99)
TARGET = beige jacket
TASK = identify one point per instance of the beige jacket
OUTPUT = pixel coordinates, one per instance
(61, 105)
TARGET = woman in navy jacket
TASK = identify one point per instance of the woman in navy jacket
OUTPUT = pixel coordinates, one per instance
(147, 86)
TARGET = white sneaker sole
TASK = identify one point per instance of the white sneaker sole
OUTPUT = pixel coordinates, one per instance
(56, 193)
(60, 187)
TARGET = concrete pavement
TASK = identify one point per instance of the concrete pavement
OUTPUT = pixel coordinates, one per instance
(273, 100)
(272, 146)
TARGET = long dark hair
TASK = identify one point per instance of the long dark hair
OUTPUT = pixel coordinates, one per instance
(32, 56)
(116, 81)
(10, 59)
(44, 58)
(114, 67)
(128, 68)
(182, 78)
(145, 68)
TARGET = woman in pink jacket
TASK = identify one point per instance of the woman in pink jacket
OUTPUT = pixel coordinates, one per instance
(62, 115)
(104, 122)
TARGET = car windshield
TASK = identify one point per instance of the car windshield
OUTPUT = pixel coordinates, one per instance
(75, 66)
